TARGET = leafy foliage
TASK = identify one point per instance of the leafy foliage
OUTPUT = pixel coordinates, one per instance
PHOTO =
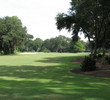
(107, 60)
(88, 64)
(57, 44)
(93, 21)
(12, 34)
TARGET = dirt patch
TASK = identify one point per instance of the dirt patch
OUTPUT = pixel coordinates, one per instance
(102, 70)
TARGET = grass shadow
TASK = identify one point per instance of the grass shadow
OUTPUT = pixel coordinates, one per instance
(53, 82)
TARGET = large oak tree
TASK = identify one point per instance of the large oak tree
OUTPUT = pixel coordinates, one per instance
(90, 17)
(12, 34)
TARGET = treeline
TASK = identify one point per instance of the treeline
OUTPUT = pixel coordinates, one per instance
(57, 44)
(14, 37)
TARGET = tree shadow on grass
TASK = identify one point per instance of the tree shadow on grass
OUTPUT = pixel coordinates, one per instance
(51, 82)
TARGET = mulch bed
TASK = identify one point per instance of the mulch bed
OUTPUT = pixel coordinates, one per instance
(102, 70)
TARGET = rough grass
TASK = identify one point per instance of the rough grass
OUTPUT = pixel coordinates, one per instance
(46, 76)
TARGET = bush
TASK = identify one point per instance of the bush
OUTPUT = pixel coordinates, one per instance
(106, 60)
(93, 56)
(46, 51)
(99, 56)
(88, 64)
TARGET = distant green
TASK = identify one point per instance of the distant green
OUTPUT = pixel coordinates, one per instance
(46, 76)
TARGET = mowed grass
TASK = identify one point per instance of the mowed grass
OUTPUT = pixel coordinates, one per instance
(46, 76)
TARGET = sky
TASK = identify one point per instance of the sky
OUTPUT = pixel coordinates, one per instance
(37, 15)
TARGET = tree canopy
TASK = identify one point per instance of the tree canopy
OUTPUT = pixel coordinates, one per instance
(12, 34)
(90, 17)
(57, 44)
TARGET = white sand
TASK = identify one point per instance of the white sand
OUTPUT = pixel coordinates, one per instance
(28, 53)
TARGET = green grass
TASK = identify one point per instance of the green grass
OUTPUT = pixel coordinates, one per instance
(46, 76)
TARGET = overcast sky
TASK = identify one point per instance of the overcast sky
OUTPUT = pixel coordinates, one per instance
(37, 15)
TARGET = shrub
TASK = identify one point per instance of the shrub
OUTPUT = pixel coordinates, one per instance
(46, 51)
(99, 56)
(106, 60)
(93, 56)
(88, 64)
